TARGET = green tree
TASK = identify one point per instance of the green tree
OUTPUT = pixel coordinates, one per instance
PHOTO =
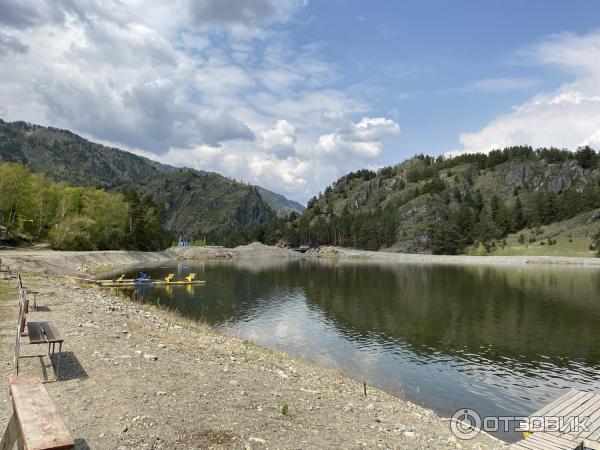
(446, 239)
(586, 157)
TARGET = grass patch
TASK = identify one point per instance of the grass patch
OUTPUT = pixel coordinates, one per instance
(7, 290)
(577, 247)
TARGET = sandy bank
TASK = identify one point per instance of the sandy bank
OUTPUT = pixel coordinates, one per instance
(408, 258)
(136, 377)
(50, 262)
(254, 250)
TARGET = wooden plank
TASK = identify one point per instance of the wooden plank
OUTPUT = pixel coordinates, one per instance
(51, 332)
(562, 442)
(588, 409)
(40, 425)
(589, 445)
(521, 445)
(577, 405)
(529, 445)
(591, 409)
(558, 401)
(545, 441)
(539, 443)
(595, 435)
(36, 334)
(593, 425)
(562, 438)
(563, 405)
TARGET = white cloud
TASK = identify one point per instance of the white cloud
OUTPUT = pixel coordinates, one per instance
(280, 139)
(209, 84)
(502, 84)
(10, 44)
(567, 117)
(362, 139)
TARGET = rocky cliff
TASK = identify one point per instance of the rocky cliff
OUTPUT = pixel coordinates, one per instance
(424, 192)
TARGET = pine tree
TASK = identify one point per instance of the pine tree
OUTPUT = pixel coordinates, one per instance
(518, 216)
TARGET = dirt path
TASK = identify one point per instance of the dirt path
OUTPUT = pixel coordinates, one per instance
(135, 377)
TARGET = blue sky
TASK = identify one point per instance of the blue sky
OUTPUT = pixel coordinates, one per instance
(292, 94)
(421, 57)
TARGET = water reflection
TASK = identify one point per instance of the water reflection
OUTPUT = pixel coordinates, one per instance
(500, 340)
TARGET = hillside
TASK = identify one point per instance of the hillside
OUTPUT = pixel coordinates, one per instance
(472, 203)
(195, 202)
(282, 206)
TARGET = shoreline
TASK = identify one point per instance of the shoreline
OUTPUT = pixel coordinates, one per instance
(125, 364)
(412, 258)
(76, 263)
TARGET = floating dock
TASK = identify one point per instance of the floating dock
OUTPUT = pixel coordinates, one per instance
(151, 283)
(575, 407)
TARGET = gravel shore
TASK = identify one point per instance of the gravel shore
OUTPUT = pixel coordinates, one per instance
(137, 377)
(410, 258)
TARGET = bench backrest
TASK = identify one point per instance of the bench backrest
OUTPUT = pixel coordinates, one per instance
(23, 309)
(20, 328)
(22, 321)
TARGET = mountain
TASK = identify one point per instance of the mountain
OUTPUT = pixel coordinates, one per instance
(282, 206)
(477, 203)
(196, 202)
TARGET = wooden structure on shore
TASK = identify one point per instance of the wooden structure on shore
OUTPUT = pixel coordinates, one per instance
(566, 413)
(34, 423)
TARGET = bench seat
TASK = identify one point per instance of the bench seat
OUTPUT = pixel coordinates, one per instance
(34, 424)
(43, 333)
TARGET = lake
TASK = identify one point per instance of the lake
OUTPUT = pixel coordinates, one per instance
(503, 341)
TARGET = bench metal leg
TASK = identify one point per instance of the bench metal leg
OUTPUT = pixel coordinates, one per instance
(17, 351)
(12, 435)
(58, 362)
(51, 354)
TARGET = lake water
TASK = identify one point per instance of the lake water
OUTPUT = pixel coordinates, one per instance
(503, 341)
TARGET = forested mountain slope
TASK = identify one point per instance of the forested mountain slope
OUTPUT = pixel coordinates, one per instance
(448, 205)
(196, 203)
(282, 206)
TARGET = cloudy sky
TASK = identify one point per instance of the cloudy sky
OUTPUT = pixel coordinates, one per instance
(291, 94)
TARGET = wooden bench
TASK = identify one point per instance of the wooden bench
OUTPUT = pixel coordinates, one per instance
(38, 333)
(34, 424)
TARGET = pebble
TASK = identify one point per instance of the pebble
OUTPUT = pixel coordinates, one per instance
(410, 434)
(150, 356)
(257, 439)
(370, 407)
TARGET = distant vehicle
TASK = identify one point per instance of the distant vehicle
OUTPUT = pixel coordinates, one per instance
(301, 249)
